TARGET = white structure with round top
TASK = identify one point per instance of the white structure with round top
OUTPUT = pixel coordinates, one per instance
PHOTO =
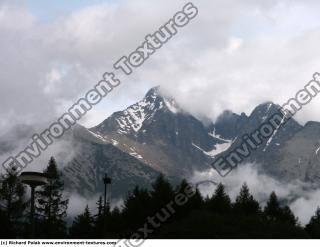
(33, 179)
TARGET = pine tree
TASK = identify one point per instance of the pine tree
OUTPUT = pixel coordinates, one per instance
(100, 207)
(11, 193)
(287, 216)
(193, 202)
(220, 201)
(313, 227)
(114, 225)
(116, 222)
(82, 226)
(101, 218)
(274, 212)
(6, 229)
(245, 203)
(12, 203)
(50, 203)
(272, 209)
(137, 200)
(162, 193)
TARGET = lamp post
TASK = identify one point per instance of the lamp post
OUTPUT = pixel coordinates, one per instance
(33, 179)
(107, 181)
(1, 184)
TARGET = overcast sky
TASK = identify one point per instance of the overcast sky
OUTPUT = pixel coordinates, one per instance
(233, 55)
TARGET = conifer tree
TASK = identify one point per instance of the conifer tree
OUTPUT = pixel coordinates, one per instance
(272, 210)
(194, 198)
(100, 207)
(220, 201)
(287, 216)
(83, 225)
(101, 218)
(137, 207)
(162, 193)
(245, 203)
(313, 227)
(12, 194)
(12, 204)
(6, 229)
(51, 205)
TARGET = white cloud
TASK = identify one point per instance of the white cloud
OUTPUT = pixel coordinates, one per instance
(78, 203)
(301, 197)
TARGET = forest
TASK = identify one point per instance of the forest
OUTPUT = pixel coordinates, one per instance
(162, 212)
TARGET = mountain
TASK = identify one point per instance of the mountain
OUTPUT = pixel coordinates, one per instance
(159, 133)
(133, 146)
(155, 135)
(268, 154)
(300, 157)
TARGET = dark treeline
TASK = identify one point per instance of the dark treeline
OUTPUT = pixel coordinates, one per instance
(162, 212)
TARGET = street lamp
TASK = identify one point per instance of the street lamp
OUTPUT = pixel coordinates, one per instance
(106, 180)
(33, 179)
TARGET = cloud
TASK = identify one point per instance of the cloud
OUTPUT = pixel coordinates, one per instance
(302, 198)
(228, 57)
(77, 204)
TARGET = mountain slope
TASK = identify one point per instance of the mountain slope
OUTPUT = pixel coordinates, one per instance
(160, 134)
(267, 155)
(300, 158)
(156, 136)
(94, 158)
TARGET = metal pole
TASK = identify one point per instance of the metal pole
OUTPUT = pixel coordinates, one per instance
(32, 212)
(105, 197)
(106, 181)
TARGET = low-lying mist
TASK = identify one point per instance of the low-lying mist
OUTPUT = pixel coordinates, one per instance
(302, 198)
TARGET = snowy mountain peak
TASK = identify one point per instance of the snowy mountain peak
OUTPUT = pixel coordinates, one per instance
(156, 95)
(131, 120)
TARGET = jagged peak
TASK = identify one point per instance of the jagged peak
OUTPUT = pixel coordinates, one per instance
(312, 124)
(267, 105)
(157, 94)
(133, 117)
(226, 114)
(265, 109)
(154, 91)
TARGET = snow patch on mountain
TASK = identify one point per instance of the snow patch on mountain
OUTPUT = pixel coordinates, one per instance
(114, 142)
(133, 118)
(136, 155)
(171, 105)
(218, 148)
(100, 137)
(213, 134)
(267, 111)
(274, 133)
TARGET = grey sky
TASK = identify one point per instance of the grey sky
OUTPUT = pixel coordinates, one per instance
(235, 54)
